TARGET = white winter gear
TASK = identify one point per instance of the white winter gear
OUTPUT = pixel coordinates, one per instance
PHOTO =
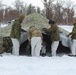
(36, 46)
(16, 46)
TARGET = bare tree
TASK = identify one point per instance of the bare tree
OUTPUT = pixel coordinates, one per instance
(19, 6)
(31, 9)
(68, 15)
(1, 11)
(58, 11)
(69, 12)
(48, 5)
(38, 9)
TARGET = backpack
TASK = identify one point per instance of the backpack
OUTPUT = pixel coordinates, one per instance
(7, 44)
(1, 45)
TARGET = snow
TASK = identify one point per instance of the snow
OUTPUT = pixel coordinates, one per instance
(65, 30)
(67, 27)
(24, 65)
(3, 25)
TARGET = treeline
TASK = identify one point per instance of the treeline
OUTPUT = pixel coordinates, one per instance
(58, 10)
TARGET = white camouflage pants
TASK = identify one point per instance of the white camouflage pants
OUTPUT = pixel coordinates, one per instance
(36, 46)
(54, 47)
(73, 47)
(16, 46)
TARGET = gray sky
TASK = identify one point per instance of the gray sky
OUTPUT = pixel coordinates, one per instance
(33, 2)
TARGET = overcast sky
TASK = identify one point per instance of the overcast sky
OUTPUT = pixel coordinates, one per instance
(33, 2)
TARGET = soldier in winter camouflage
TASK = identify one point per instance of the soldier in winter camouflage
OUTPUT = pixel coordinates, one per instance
(73, 36)
(16, 28)
(54, 36)
(35, 39)
(16, 33)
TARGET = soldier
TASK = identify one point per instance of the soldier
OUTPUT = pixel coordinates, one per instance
(73, 36)
(35, 39)
(15, 34)
(54, 36)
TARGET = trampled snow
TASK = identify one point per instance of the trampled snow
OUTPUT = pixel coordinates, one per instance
(24, 65)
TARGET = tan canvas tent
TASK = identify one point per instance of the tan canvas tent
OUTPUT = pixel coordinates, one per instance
(35, 19)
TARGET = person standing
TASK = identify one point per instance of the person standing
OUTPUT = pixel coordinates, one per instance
(73, 37)
(35, 39)
(16, 34)
(53, 31)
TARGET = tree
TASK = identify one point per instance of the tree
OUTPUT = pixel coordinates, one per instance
(19, 6)
(58, 11)
(30, 9)
(70, 12)
(1, 11)
(48, 5)
(68, 15)
(38, 10)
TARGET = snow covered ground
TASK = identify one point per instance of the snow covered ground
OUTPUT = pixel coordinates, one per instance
(3, 25)
(24, 65)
